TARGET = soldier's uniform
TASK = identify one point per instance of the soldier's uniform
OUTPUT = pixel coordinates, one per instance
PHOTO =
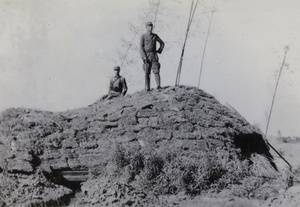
(149, 54)
(117, 86)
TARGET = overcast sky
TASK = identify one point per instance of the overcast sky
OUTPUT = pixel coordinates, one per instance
(58, 55)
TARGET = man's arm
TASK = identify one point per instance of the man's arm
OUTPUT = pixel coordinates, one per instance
(142, 48)
(161, 45)
(124, 86)
(111, 87)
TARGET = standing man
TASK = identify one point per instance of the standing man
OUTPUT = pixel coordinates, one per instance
(149, 55)
(117, 86)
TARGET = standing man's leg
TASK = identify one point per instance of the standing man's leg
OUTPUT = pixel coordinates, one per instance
(156, 71)
(147, 76)
(157, 79)
(147, 81)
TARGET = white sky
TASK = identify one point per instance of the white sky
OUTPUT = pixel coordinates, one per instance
(58, 55)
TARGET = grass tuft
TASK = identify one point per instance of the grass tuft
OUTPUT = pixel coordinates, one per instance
(201, 172)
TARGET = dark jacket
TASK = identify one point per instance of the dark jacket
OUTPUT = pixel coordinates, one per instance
(118, 84)
(148, 44)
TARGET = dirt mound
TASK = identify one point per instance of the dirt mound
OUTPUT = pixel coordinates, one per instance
(131, 151)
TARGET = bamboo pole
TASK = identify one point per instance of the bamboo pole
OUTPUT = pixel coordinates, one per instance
(206, 40)
(275, 91)
(191, 16)
(156, 12)
(272, 104)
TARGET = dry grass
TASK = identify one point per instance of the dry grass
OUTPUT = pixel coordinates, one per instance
(202, 172)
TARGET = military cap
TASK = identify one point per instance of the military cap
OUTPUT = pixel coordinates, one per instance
(149, 24)
(117, 68)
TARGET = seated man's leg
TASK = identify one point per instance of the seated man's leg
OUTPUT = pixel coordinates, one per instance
(104, 97)
(110, 95)
(113, 94)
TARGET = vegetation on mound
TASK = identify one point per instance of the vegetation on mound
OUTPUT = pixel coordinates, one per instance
(134, 173)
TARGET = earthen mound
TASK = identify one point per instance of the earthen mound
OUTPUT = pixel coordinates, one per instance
(128, 151)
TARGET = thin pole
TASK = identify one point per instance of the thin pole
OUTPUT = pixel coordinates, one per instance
(192, 12)
(158, 3)
(274, 95)
(273, 100)
(206, 40)
(182, 52)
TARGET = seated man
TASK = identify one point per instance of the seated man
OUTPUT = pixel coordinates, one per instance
(117, 86)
